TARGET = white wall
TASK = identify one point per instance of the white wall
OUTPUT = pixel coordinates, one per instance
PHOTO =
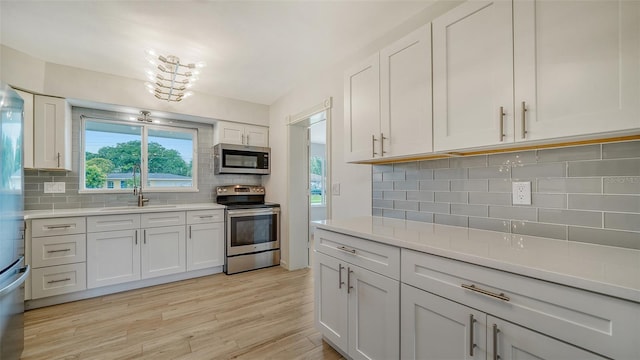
(354, 179)
(23, 71)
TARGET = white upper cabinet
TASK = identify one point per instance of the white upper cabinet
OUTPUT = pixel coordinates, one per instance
(362, 110)
(27, 129)
(241, 134)
(388, 101)
(473, 75)
(52, 133)
(405, 95)
(577, 67)
(555, 68)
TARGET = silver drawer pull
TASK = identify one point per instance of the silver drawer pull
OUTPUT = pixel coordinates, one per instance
(57, 251)
(205, 216)
(472, 287)
(346, 249)
(53, 227)
(57, 281)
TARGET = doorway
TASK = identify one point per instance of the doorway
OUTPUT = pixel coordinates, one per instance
(309, 181)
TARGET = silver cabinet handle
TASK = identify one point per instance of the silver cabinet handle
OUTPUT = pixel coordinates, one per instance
(58, 159)
(502, 114)
(524, 120)
(349, 287)
(136, 237)
(144, 237)
(495, 342)
(205, 216)
(340, 282)
(57, 281)
(242, 139)
(54, 227)
(382, 139)
(346, 249)
(472, 321)
(189, 231)
(373, 146)
(57, 251)
(247, 139)
(472, 287)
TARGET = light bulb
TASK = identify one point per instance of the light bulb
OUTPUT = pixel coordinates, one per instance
(149, 85)
(187, 94)
(201, 64)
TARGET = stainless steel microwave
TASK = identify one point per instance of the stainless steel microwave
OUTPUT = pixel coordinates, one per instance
(241, 159)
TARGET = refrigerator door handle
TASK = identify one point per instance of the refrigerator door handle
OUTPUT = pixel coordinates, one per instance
(17, 282)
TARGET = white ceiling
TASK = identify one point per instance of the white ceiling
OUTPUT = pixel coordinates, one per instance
(255, 50)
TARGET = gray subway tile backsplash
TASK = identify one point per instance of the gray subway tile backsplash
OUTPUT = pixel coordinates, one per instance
(623, 203)
(624, 167)
(622, 185)
(587, 193)
(621, 150)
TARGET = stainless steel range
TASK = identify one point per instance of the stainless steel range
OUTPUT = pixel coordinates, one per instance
(252, 228)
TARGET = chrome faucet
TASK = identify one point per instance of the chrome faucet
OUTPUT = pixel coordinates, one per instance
(137, 189)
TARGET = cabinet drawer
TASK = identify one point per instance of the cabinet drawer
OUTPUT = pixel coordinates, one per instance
(380, 258)
(592, 321)
(56, 280)
(58, 250)
(58, 226)
(113, 222)
(162, 219)
(204, 216)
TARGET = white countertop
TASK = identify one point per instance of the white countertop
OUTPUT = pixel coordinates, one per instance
(603, 269)
(42, 214)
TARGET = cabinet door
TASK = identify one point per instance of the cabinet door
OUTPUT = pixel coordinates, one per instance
(362, 110)
(577, 65)
(331, 299)
(230, 133)
(514, 342)
(256, 135)
(27, 129)
(473, 75)
(163, 251)
(52, 133)
(113, 257)
(205, 245)
(374, 315)
(405, 95)
(436, 328)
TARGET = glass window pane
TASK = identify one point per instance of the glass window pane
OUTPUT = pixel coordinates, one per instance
(110, 152)
(170, 158)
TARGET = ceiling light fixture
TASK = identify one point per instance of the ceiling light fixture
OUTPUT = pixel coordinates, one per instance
(173, 78)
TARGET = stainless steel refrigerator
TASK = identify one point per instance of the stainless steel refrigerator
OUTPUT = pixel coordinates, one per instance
(13, 271)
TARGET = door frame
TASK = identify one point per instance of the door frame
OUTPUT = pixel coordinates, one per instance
(298, 197)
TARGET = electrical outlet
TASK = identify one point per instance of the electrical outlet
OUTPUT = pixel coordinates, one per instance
(521, 192)
(54, 188)
(335, 189)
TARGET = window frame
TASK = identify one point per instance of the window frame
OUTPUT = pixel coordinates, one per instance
(144, 160)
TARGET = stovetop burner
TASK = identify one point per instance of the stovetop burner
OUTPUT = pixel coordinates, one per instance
(242, 197)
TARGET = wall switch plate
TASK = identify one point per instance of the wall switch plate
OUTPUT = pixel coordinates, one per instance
(54, 187)
(521, 192)
(335, 189)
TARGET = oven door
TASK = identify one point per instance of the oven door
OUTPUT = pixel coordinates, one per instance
(252, 230)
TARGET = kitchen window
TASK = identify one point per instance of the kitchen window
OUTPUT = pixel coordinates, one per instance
(166, 155)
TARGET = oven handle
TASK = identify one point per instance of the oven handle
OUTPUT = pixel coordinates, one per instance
(250, 212)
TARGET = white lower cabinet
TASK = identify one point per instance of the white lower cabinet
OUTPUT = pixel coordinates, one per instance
(205, 239)
(122, 251)
(163, 251)
(113, 257)
(357, 309)
(437, 328)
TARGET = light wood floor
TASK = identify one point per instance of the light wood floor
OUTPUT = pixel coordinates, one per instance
(260, 314)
